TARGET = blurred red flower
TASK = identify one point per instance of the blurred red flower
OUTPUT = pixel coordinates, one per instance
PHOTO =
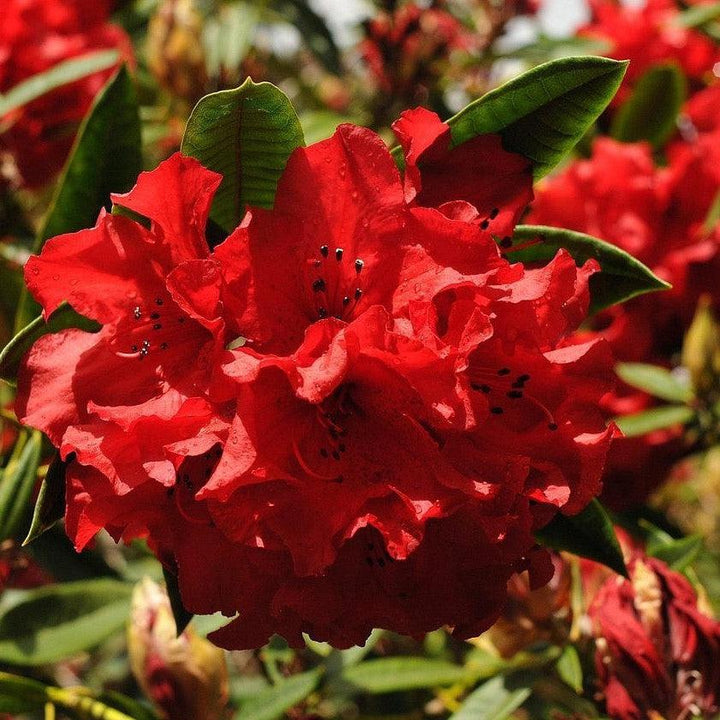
(36, 35)
(649, 34)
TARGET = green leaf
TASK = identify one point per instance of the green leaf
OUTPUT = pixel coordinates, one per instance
(651, 112)
(394, 674)
(181, 615)
(247, 135)
(57, 621)
(313, 30)
(678, 553)
(569, 668)
(698, 15)
(493, 700)
(654, 380)
(106, 157)
(622, 277)
(543, 113)
(655, 419)
(60, 74)
(589, 534)
(19, 478)
(50, 503)
(228, 36)
(276, 700)
(64, 317)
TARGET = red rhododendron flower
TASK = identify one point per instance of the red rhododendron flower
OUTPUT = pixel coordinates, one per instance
(36, 35)
(355, 400)
(657, 215)
(649, 34)
(656, 649)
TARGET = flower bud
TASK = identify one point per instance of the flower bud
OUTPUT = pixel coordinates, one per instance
(656, 648)
(174, 49)
(185, 676)
(701, 349)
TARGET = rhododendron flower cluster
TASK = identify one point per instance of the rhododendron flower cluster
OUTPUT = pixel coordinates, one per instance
(352, 413)
(36, 35)
(648, 34)
(658, 215)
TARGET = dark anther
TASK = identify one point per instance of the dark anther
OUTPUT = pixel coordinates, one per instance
(316, 263)
(485, 389)
(157, 326)
(346, 301)
(494, 213)
(170, 491)
(324, 250)
(358, 293)
(158, 301)
(319, 285)
(338, 254)
(475, 386)
(485, 224)
(359, 264)
(137, 312)
(322, 313)
(336, 455)
(506, 242)
(552, 426)
(181, 319)
(381, 562)
(155, 316)
(514, 394)
(208, 472)
(134, 348)
(323, 452)
(523, 378)
(163, 346)
(496, 410)
(504, 371)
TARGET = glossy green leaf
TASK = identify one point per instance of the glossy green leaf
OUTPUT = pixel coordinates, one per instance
(569, 668)
(655, 419)
(543, 113)
(493, 700)
(58, 75)
(622, 277)
(394, 674)
(272, 703)
(589, 534)
(50, 503)
(246, 135)
(19, 478)
(651, 112)
(106, 157)
(55, 622)
(654, 380)
(64, 317)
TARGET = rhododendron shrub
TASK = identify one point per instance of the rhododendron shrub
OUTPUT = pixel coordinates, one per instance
(356, 400)
(35, 36)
